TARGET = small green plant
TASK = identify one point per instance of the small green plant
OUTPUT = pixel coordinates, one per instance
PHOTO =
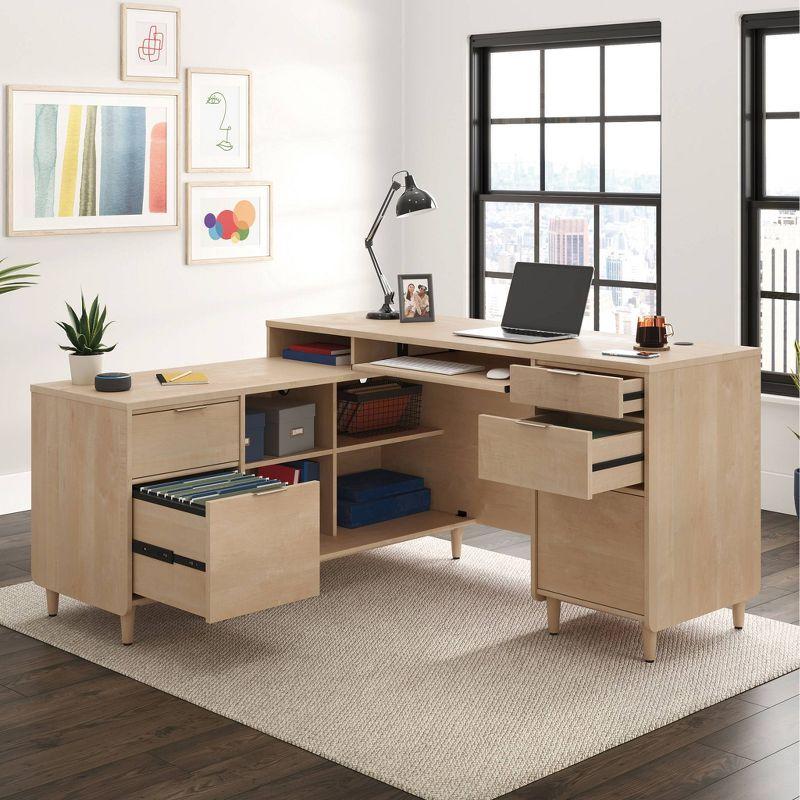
(12, 278)
(85, 333)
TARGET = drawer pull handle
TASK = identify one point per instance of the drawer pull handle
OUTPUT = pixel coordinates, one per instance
(189, 408)
(563, 371)
(531, 423)
(270, 491)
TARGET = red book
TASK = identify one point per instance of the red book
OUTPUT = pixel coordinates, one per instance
(322, 348)
(280, 472)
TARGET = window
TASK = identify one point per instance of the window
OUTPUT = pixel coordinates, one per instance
(566, 163)
(770, 189)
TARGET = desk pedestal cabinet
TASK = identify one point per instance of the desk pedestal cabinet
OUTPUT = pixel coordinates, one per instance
(638, 482)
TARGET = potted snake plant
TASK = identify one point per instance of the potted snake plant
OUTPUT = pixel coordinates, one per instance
(86, 348)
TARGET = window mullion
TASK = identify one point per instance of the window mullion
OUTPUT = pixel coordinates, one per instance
(602, 119)
(596, 259)
(541, 123)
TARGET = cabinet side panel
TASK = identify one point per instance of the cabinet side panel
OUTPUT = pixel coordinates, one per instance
(449, 463)
(81, 502)
(703, 489)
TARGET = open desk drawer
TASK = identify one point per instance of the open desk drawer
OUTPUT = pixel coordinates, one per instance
(569, 454)
(249, 552)
(568, 389)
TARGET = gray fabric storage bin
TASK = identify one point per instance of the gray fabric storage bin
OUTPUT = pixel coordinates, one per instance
(289, 426)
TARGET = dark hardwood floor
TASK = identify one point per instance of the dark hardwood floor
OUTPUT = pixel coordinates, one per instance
(71, 729)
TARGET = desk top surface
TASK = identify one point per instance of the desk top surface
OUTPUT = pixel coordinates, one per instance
(587, 349)
(232, 378)
(226, 379)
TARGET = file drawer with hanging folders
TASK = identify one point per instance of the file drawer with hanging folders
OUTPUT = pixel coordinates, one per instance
(220, 554)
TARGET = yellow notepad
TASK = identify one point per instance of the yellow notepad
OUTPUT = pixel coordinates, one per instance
(176, 377)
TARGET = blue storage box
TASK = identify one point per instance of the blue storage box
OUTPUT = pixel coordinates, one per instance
(355, 515)
(309, 470)
(255, 423)
(374, 484)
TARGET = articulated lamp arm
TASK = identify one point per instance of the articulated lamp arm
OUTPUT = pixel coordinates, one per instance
(388, 292)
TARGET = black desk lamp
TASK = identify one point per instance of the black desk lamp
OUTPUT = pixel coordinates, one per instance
(412, 201)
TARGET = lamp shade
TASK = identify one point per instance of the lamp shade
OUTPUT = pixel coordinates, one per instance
(413, 199)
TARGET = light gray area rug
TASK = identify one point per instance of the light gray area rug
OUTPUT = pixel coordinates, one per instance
(433, 675)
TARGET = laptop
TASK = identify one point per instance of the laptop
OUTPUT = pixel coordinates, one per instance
(545, 302)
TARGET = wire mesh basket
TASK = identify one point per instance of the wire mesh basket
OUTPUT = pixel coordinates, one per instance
(379, 406)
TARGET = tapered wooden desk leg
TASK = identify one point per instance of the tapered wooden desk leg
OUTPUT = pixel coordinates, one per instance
(553, 616)
(738, 615)
(52, 602)
(126, 625)
(648, 644)
(455, 541)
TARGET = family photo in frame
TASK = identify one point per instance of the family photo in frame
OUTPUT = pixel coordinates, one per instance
(415, 295)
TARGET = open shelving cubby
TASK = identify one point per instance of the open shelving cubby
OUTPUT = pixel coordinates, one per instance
(349, 541)
(346, 443)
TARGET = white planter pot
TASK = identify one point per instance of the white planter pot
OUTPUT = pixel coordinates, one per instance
(84, 368)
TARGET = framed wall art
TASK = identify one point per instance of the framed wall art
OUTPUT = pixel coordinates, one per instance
(219, 120)
(150, 43)
(91, 160)
(230, 221)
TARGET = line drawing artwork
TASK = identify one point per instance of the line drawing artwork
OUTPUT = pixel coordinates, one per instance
(215, 98)
(152, 45)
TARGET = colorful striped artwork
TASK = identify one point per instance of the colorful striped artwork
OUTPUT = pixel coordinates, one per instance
(158, 168)
(87, 206)
(45, 151)
(122, 158)
(91, 160)
(67, 140)
(69, 168)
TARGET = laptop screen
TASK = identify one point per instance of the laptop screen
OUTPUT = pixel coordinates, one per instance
(547, 297)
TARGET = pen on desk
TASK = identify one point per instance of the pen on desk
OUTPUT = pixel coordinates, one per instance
(178, 377)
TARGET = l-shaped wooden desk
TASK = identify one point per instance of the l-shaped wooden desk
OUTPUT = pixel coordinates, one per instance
(654, 518)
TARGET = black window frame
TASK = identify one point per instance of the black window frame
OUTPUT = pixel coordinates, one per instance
(481, 47)
(755, 27)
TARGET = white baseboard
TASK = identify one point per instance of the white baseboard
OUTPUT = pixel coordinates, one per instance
(777, 492)
(15, 492)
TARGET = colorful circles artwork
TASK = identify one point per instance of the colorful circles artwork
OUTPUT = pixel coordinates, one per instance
(233, 226)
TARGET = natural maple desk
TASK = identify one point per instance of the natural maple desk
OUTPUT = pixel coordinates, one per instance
(656, 518)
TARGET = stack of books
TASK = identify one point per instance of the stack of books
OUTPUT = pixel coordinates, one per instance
(192, 493)
(292, 472)
(334, 354)
(378, 495)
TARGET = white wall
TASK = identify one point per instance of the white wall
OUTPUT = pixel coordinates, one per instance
(327, 93)
(700, 239)
(335, 95)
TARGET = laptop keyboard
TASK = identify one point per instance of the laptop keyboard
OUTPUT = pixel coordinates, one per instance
(524, 332)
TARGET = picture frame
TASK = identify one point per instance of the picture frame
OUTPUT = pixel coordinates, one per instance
(86, 160)
(219, 120)
(150, 43)
(228, 221)
(415, 305)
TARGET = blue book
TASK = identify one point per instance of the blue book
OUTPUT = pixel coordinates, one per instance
(355, 515)
(316, 358)
(359, 487)
(309, 470)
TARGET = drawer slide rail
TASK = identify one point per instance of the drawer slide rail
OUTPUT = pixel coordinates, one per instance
(168, 556)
